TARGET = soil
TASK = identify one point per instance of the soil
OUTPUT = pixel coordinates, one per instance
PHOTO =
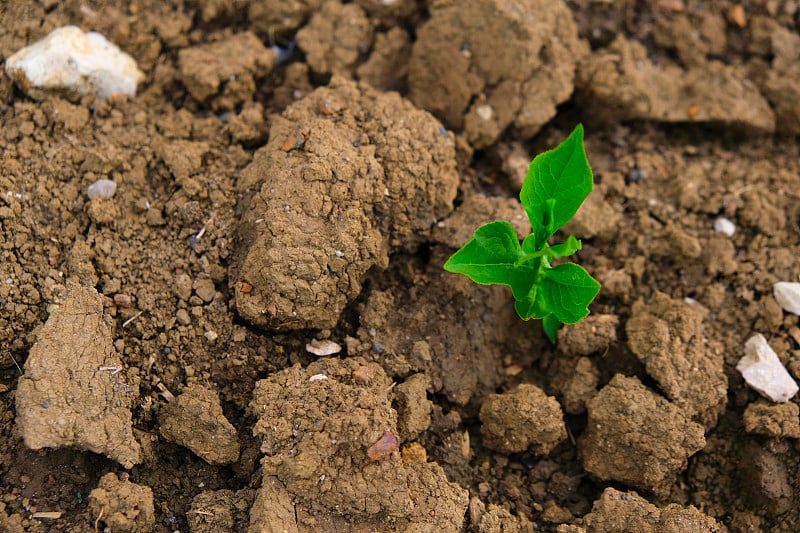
(295, 174)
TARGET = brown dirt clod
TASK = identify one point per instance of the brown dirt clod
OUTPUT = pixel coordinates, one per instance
(462, 361)
(229, 68)
(413, 406)
(647, 446)
(123, 506)
(627, 512)
(667, 336)
(456, 73)
(521, 419)
(194, 419)
(219, 511)
(779, 420)
(316, 434)
(594, 334)
(373, 176)
(335, 38)
(473, 81)
(75, 391)
(575, 382)
(621, 83)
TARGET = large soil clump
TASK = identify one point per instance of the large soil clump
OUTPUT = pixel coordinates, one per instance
(332, 457)
(457, 72)
(74, 391)
(348, 174)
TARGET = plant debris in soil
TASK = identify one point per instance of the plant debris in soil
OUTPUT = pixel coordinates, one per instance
(295, 174)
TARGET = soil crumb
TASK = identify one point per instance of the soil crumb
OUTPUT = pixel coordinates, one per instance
(594, 334)
(219, 511)
(413, 406)
(457, 229)
(520, 419)
(765, 475)
(575, 381)
(779, 420)
(387, 65)
(226, 70)
(627, 512)
(194, 419)
(496, 519)
(335, 37)
(121, 505)
(462, 361)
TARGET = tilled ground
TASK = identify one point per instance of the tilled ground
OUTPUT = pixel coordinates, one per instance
(291, 178)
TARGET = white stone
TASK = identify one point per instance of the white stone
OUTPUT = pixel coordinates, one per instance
(787, 294)
(723, 225)
(322, 348)
(485, 112)
(318, 377)
(101, 188)
(81, 63)
(762, 370)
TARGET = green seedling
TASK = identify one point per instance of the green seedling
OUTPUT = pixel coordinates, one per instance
(557, 183)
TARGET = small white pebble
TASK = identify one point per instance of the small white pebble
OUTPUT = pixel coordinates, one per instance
(762, 370)
(485, 112)
(323, 347)
(723, 225)
(210, 335)
(318, 377)
(338, 253)
(787, 294)
(102, 188)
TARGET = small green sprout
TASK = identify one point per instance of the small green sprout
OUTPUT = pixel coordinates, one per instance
(557, 183)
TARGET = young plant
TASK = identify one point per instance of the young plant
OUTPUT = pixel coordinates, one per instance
(557, 183)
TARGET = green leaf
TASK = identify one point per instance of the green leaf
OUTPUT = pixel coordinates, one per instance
(524, 306)
(531, 305)
(567, 291)
(557, 183)
(567, 248)
(529, 244)
(490, 256)
(551, 324)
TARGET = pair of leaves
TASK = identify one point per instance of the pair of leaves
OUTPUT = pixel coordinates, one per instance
(557, 183)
